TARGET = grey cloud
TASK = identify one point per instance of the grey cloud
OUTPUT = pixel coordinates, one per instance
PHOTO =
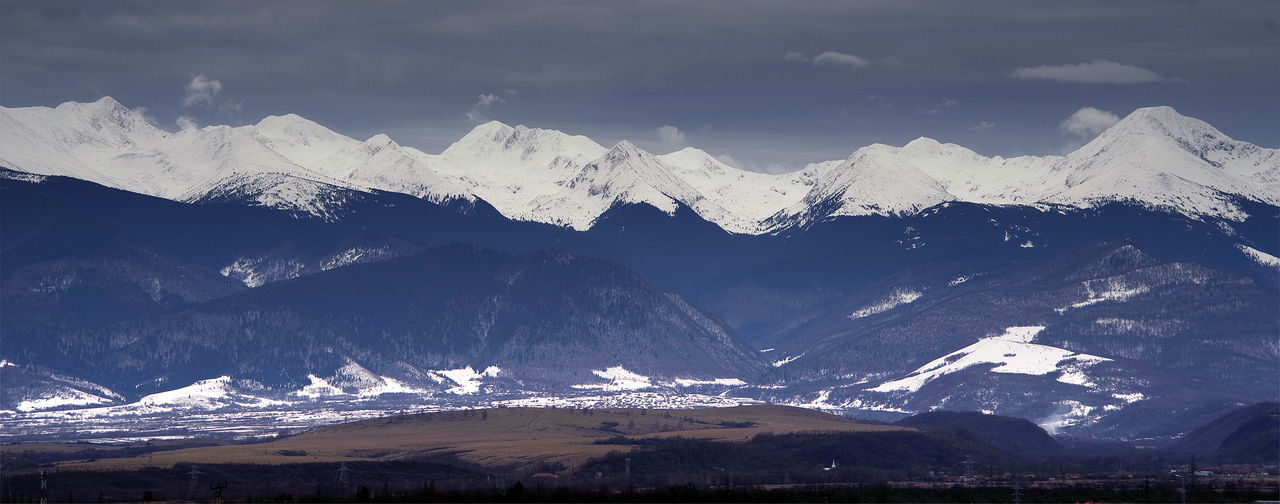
(1094, 72)
(839, 59)
(201, 91)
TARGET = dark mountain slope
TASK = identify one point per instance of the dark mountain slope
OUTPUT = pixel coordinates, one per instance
(550, 317)
(78, 273)
(1010, 434)
(1246, 434)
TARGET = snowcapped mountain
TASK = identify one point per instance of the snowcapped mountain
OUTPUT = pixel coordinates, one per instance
(626, 174)
(1154, 158)
(751, 196)
(106, 143)
(513, 168)
(1158, 158)
(376, 163)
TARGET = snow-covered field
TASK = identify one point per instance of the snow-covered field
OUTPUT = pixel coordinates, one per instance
(1011, 352)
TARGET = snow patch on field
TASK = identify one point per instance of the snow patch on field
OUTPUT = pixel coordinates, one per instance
(691, 382)
(468, 380)
(619, 379)
(212, 393)
(786, 360)
(1012, 352)
(819, 402)
(1069, 413)
(62, 398)
(318, 388)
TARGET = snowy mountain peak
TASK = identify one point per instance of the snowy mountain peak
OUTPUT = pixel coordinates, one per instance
(290, 123)
(695, 159)
(923, 143)
(625, 150)
(1162, 159)
(106, 103)
(491, 129)
(378, 142)
(497, 142)
(110, 117)
(1163, 122)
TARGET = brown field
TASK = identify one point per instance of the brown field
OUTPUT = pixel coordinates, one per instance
(510, 437)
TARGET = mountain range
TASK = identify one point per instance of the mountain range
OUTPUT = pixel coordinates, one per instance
(1127, 289)
(1154, 157)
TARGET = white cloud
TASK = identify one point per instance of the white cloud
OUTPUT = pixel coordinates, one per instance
(145, 115)
(671, 137)
(482, 106)
(1088, 122)
(796, 56)
(201, 91)
(187, 122)
(1094, 72)
(983, 126)
(941, 107)
(839, 59)
(884, 103)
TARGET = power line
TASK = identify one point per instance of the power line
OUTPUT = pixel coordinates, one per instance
(217, 492)
(342, 477)
(195, 480)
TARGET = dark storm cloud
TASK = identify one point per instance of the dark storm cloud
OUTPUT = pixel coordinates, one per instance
(625, 68)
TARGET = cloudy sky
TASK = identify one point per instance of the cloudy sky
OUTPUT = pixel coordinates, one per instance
(768, 85)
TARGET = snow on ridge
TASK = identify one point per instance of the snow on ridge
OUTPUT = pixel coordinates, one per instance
(20, 176)
(368, 384)
(212, 393)
(1105, 290)
(898, 297)
(352, 256)
(256, 272)
(1260, 257)
(786, 360)
(1012, 352)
